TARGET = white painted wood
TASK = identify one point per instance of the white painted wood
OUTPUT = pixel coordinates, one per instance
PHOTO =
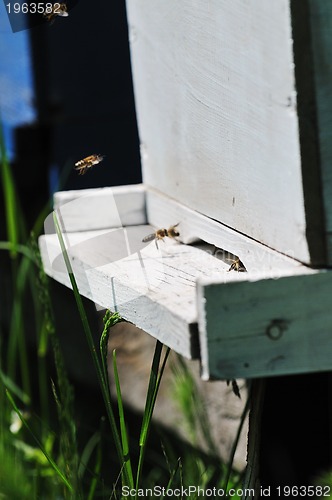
(153, 288)
(240, 324)
(216, 103)
(225, 315)
(164, 212)
(156, 289)
(101, 208)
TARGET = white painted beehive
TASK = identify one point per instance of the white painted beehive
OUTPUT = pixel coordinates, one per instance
(234, 121)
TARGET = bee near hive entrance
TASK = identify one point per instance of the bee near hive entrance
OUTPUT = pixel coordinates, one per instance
(160, 234)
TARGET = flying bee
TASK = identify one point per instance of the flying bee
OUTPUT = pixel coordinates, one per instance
(237, 265)
(88, 162)
(160, 234)
(57, 9)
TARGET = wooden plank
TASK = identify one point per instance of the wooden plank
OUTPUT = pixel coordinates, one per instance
(153, 288)
(100, 208)
(156, 289)
(163, 211)
(264, 327)
(216, 103)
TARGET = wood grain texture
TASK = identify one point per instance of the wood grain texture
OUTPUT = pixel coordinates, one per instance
(215, 96)
(153, 288)
(263, 327)
(162, 211)
(156, 287)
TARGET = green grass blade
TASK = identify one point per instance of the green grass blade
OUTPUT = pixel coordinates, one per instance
(151, 390)
(10, 384)
(191, 403)
(154, 383)
(155, 379)
(9, 193)
(17, 248)
(87, 452)
(96, 472)
(109, 321)
(123, 428)
(173, 474)
(17, 339)
(39, 444)
(96, 361)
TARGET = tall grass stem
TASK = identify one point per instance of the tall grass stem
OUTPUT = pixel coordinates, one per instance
(88, 334)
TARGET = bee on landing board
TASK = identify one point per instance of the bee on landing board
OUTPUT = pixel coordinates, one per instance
(160, 234)
(83, 165)
(237, 265)
(57, 9)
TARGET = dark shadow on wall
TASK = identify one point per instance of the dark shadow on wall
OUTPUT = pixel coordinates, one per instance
(84, 101)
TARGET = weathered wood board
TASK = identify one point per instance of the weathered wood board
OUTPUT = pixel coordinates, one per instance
(162, 211)
(156, 287)
(234, 120)
(263, 327)
(216, 103)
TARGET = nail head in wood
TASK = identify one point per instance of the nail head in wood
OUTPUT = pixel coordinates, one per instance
(276, 329)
